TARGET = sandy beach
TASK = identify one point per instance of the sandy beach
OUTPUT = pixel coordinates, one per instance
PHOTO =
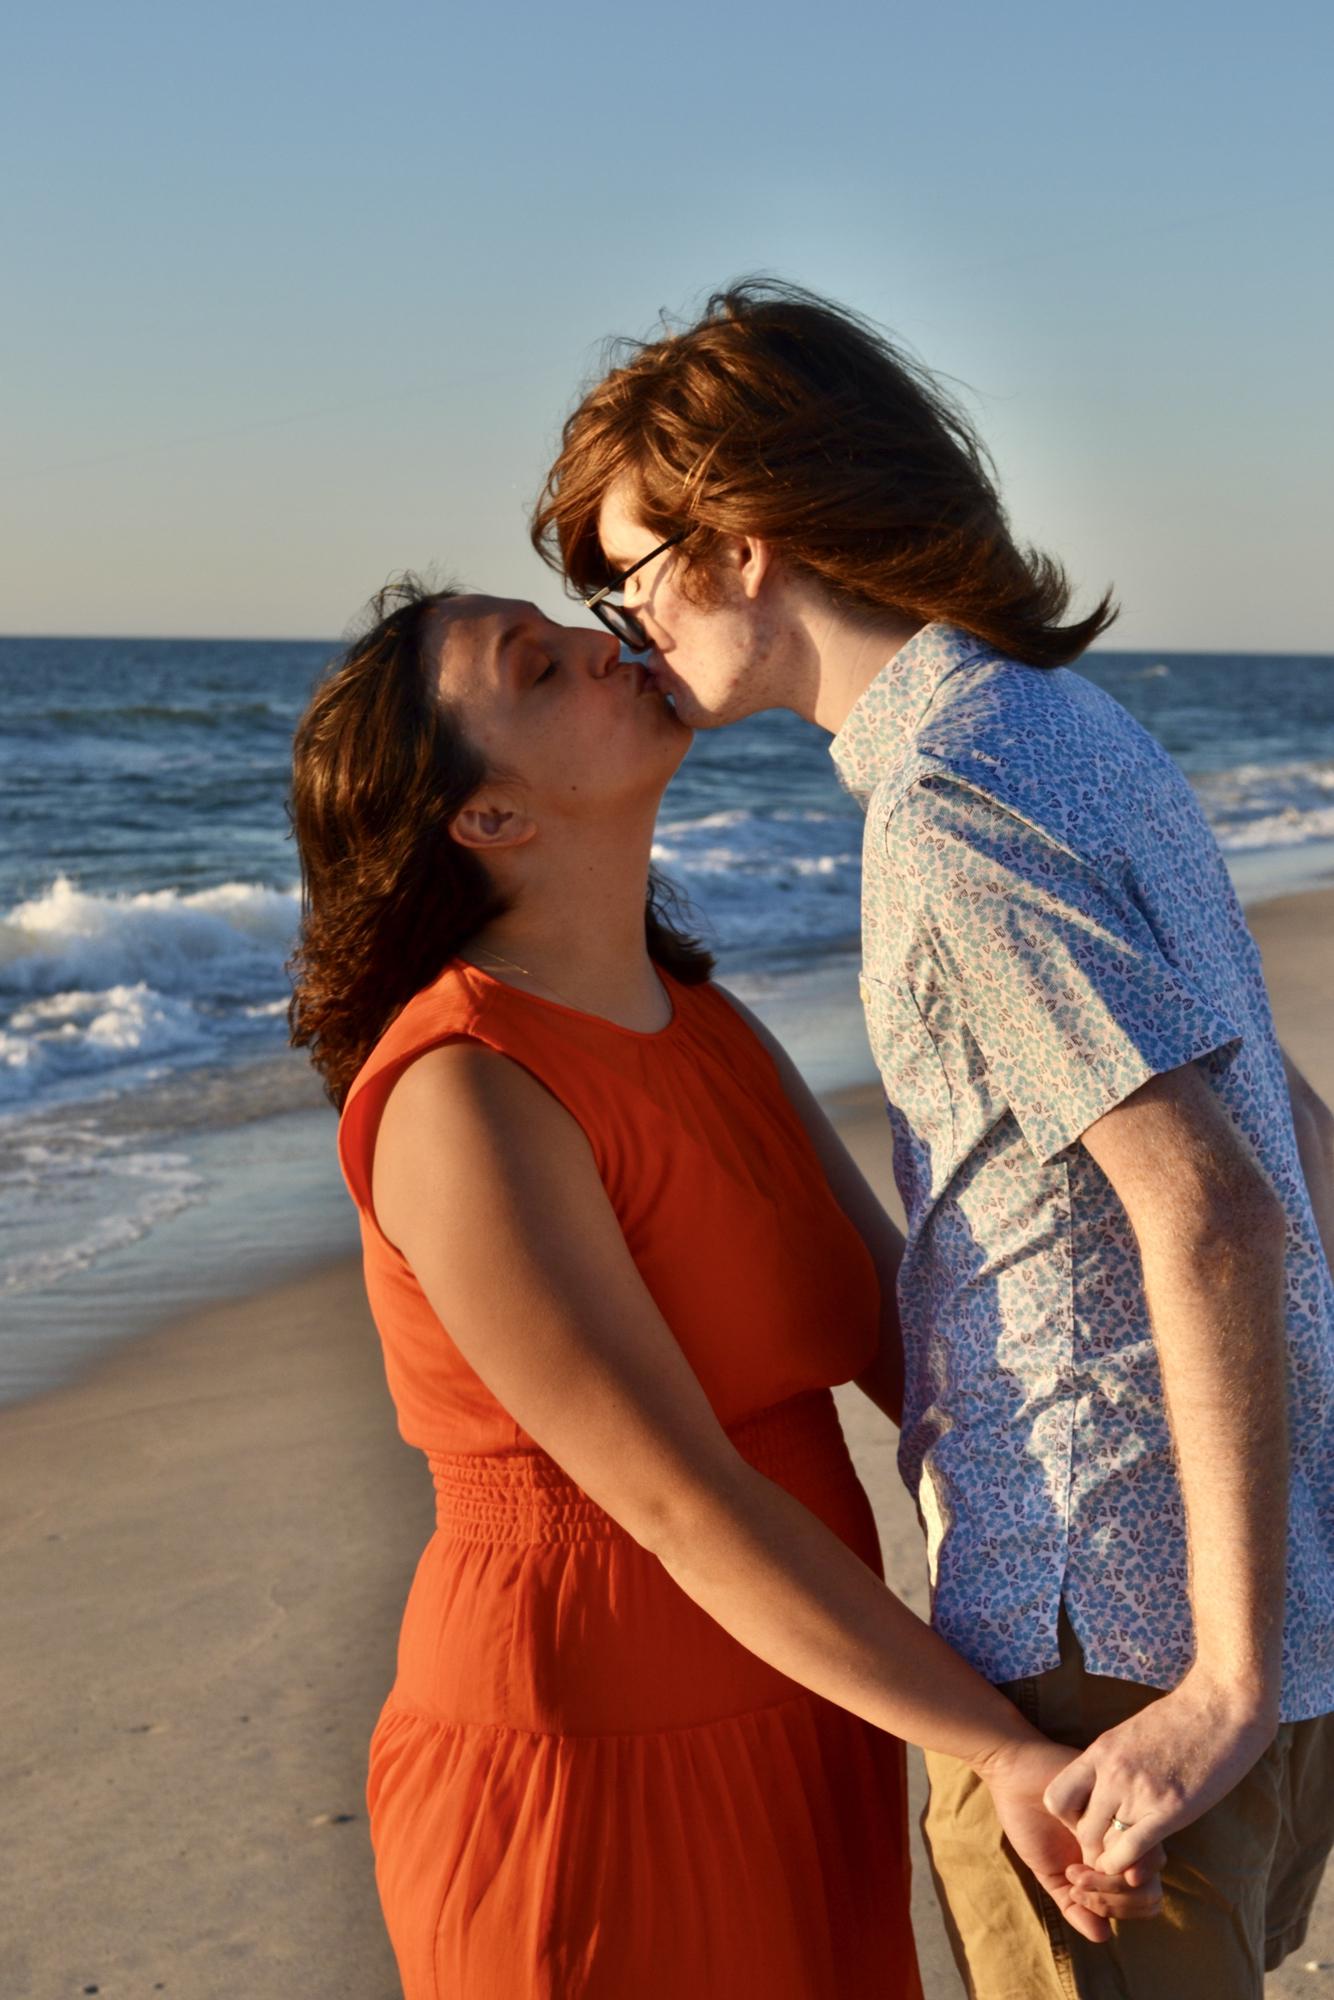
(207, 1542)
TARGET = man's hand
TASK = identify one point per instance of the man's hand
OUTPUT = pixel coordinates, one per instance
(1085, 1898)
(1160, 1769)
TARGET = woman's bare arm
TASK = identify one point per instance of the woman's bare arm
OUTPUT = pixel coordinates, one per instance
(489, 1189)
(882, 1381)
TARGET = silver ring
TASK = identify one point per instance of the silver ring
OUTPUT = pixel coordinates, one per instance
(1122, 1825)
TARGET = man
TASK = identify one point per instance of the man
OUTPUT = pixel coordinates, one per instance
(1118, 1317)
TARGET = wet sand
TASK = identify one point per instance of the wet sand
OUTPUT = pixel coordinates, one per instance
(207, 1541)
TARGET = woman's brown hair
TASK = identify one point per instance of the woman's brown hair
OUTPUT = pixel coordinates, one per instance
(380, 767)
(781, 415)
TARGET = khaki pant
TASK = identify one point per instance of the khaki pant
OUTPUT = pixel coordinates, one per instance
(1238, 1886)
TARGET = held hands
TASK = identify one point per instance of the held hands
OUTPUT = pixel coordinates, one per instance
(1016, 1778)
(1159, 1770)
(1091, 1828)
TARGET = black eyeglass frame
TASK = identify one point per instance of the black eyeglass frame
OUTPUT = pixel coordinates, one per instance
(629, 630)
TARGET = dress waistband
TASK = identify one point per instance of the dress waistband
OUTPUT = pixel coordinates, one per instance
(524, 1496)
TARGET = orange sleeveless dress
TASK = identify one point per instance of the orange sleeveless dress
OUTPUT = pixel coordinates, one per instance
(580, 1787)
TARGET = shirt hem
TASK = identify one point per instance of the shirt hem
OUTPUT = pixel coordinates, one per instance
(1316, 1701)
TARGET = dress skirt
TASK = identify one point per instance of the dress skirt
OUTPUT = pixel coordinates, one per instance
(581, 1788)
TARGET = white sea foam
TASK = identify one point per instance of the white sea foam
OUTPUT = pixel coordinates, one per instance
(91, 983)
(95, 986)
(229, 939)
(1288, 828)
(1257, 806)
(99, 992)
(71, 1031)
(75, 1193)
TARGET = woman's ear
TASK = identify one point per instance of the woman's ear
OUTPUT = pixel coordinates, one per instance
(489, 826)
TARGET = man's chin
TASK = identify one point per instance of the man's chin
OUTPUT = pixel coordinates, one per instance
(687, 710)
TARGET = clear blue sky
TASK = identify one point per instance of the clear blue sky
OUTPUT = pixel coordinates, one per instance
(298, 295)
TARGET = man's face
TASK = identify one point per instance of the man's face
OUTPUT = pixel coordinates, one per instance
(714, 660)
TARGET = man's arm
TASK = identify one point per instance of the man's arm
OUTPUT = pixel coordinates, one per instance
(1211, 1235)
(1313, 1122)
(1093, 1033)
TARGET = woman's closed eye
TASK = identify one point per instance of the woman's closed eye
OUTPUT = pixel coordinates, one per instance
(546, 672)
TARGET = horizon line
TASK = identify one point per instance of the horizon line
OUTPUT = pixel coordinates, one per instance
(271, 639)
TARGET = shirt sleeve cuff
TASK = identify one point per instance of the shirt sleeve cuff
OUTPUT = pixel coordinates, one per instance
(1052, 1123)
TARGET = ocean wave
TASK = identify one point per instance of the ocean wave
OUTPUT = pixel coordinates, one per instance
(225, 943)
(757, 877)
(91, 984)
(1288, 828)
(1253, 806)
(767, 878)
(81, 1034)
(105, 1200)
(96, 984)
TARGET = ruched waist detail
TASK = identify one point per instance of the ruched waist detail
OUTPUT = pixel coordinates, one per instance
(525, 1497)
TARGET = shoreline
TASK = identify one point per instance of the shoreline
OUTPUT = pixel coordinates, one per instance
(213, 1253)
(210, 1533)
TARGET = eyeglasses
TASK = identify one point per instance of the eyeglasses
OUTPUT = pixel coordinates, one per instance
(615, 616)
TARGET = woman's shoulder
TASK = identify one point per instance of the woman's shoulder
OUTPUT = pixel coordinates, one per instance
(463, 1047)
(465, 1076)
(444, 1013)
(464, 1107)
(734, 1022)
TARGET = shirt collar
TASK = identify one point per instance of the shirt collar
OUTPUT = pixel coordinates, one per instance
(876, 730)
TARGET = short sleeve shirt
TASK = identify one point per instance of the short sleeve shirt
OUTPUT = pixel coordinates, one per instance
(1047, 923)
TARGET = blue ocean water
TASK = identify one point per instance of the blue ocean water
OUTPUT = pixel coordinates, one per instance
(148, 901)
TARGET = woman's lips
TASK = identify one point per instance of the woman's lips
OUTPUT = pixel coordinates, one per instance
(648, 682)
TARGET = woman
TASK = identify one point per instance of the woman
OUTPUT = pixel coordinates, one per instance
(643, 1737)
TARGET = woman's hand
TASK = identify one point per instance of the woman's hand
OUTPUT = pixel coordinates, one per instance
(1017, 1778)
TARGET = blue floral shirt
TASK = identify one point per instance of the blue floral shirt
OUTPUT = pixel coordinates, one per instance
(1048, 922)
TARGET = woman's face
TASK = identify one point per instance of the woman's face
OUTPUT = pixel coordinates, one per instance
(552, 709)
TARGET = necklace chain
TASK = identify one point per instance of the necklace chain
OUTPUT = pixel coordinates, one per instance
(480, 951)
(510, 966)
